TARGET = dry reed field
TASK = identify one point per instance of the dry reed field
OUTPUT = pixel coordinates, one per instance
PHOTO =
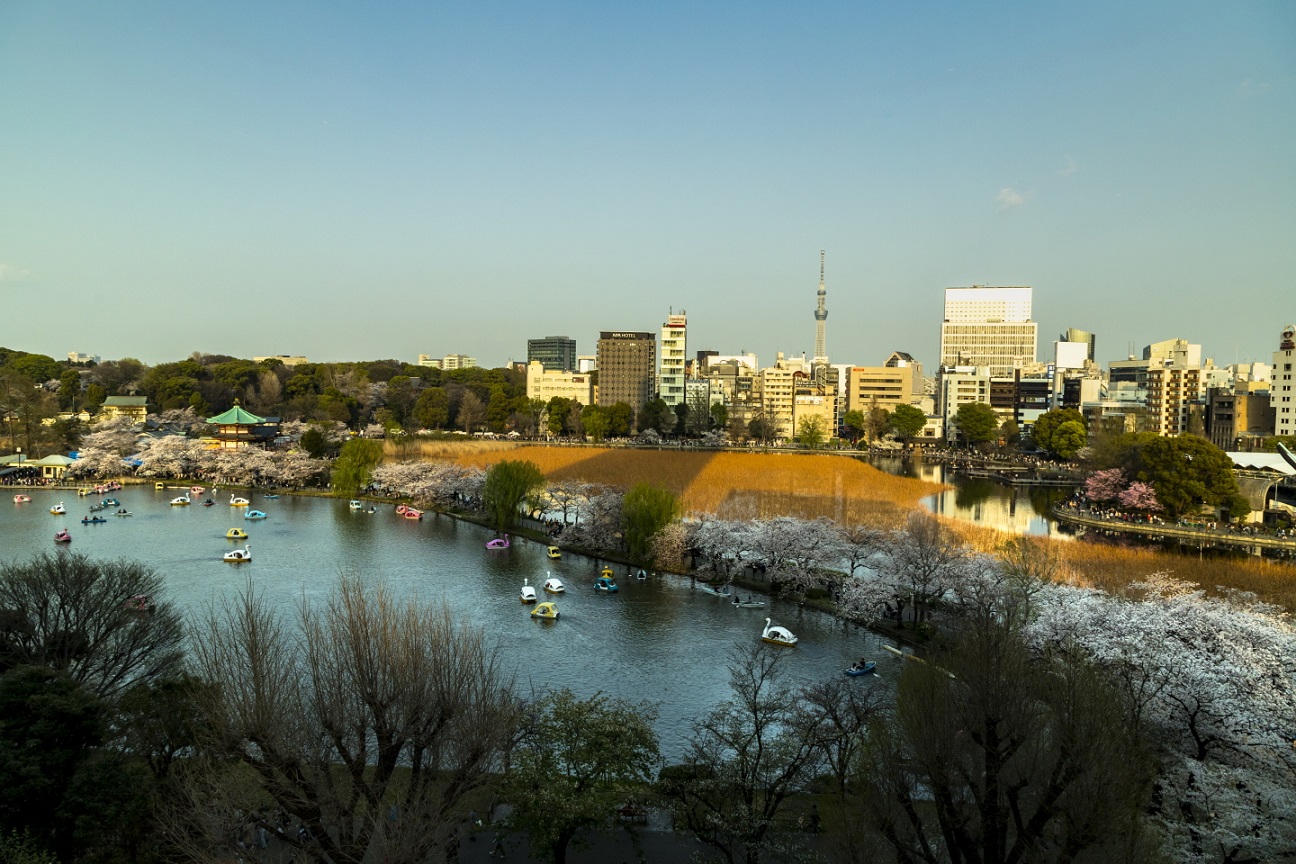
(1112, 568)
(737, 485)
(764, 485)
(395, 451)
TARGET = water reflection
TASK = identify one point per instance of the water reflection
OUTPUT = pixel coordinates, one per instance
(1015, 509)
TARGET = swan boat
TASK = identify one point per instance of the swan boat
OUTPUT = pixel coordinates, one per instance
(528, 592)
(239, 502)
(355, 505)
(606, 583)
(408, 512)
(236, 556)
(553, 585)
(254, 514)
(58, 509)
(21, 499)
(197, 490)
(62, 536)
(778, 635)
(498, 543)
(236, 534)
(181, 501)
(546, 611)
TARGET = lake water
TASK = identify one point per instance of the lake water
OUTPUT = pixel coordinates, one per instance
(658, 639)
(1015, 509)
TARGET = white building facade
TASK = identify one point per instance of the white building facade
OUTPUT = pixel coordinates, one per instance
(674, 360)
(1283, 379)
(989, 326)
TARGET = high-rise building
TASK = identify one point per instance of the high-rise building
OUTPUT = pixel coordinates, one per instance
(627, 368)
(1283, 379)
(988, 327)
(1074, 335)
(821, 317)
(556, 353)
(674, 358)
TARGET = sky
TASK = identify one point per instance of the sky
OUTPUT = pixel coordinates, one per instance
(367, 181)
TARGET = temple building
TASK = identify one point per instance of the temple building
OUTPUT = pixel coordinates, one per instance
(238, 427)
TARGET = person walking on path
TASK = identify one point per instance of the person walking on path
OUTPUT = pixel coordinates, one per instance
(499, 846)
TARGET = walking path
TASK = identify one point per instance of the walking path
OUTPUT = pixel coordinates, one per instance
(1188, 536)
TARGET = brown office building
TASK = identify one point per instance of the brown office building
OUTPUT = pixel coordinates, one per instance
(627, 368)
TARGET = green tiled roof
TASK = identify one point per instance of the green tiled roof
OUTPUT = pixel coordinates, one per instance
(236, 416)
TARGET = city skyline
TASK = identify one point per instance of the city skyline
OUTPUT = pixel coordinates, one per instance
(361, 184)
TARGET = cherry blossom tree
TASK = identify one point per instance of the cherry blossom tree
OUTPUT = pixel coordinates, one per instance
(1105, 485)
(923, 560)
(795, 551)
(172, 456)
(1139, 496)
(116, 435)
(720, 546)
(1212, 680)
(598, 523)
(563, 497)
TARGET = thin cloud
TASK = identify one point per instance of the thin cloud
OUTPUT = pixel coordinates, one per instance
(11, 275)
(1009, 198)
(1251, 89)
(1070, 168)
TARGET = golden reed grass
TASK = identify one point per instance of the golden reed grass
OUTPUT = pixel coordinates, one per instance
(1113, 568)
(732, 485)
(736, 485)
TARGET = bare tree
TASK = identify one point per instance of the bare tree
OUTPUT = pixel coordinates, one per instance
(366, 726)
(994, 756)
(745, 759)
(471, 412)
(104, 623)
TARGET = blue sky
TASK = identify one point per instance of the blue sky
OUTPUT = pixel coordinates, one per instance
(404, 178)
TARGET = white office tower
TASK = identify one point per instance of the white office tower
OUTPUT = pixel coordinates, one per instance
(1283, 377)
(821, 318)
(674, 360)
(988, 327)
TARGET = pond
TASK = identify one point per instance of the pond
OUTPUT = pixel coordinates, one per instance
(658, 639)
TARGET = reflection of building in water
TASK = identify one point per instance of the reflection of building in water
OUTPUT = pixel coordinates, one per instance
(1014, 509)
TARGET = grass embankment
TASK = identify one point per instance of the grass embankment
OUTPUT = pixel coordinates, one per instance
(763, 485)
